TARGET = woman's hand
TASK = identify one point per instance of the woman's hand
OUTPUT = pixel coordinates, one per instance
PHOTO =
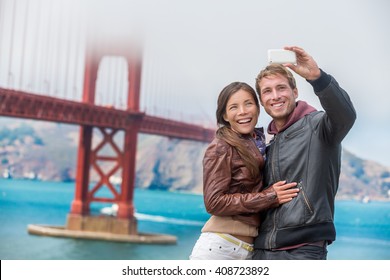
(285, 192)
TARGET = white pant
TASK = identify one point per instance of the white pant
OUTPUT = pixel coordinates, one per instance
(210, 246)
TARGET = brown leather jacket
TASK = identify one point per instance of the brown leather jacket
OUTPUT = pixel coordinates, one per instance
(228, 188)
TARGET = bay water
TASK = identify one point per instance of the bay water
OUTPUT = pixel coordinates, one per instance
(363, 229)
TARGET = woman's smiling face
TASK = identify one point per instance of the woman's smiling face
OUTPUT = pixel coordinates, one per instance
(242, 112)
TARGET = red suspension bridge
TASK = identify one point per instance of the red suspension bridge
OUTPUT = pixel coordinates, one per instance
(29, 74)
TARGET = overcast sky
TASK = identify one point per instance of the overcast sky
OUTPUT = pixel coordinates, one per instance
(204, 45)
(193, 48)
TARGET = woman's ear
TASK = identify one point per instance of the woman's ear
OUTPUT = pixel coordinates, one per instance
(225, 118)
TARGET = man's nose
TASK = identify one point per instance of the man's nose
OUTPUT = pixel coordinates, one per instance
(275, 94)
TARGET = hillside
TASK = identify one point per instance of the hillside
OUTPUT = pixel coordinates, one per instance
(48, 151)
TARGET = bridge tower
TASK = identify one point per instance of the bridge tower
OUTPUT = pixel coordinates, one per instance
(80, 218)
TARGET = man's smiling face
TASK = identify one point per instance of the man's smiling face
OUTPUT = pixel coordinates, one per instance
(277, 98)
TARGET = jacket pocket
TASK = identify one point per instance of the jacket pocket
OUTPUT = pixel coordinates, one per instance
(297, 211)
(306, 200)
(292, 133)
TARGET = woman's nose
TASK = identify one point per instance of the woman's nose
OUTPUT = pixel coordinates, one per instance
(241, 110)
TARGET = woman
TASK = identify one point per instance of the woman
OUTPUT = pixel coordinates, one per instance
(232, 179)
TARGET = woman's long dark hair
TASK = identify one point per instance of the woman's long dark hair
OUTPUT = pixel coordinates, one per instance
(227, 134)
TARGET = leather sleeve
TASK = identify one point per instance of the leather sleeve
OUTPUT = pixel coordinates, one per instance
(340, 112)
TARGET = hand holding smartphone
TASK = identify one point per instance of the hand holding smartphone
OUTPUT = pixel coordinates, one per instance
(281, 56)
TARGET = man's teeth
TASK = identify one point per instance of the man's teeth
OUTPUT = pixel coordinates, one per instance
(277, 105)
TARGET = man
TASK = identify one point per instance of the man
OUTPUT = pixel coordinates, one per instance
(306, 148)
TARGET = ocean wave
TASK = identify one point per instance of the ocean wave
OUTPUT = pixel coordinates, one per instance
(162, 219)
(366, 241)
(113, 209)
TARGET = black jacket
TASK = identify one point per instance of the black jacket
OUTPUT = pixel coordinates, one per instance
(307, 152)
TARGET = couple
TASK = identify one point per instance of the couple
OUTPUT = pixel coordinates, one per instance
(274, 202)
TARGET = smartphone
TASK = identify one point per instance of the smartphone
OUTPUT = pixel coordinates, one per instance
(281, 56)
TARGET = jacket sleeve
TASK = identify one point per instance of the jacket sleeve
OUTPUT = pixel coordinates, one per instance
(340, 113)
(216, 181)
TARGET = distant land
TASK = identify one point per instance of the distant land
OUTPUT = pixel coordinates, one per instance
(48, 151)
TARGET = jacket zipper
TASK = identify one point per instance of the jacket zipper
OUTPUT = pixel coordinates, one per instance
(274, 155)
(305, 198)
(273, 158)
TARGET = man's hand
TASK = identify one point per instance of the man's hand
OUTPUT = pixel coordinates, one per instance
(306, 66)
